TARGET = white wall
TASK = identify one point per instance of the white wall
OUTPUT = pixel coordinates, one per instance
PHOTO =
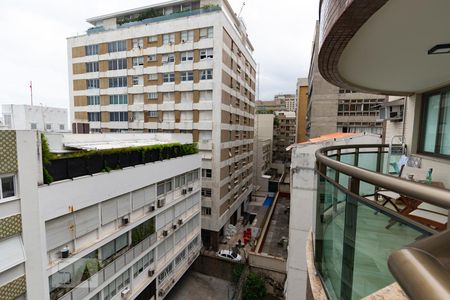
(264, 126)
(23, 115)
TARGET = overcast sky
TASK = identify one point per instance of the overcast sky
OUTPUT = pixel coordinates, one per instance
(33, 43)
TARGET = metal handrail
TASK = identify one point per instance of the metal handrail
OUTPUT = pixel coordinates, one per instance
(423, 268)
(426, 193)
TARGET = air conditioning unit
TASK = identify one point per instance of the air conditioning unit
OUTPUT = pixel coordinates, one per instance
(190, 189)
(184, 191)
(151, 273)
(165, 233)
(161, 292)
(180, 221)
(152, 208)
(125, 292)
(161, 202)
(65, 252)
(125, 220)
(174, 226)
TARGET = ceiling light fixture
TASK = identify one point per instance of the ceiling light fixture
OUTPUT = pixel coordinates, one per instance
(440, 49)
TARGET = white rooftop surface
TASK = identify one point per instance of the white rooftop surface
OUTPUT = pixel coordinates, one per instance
(11, 253)
(59, 142)
(112, 144)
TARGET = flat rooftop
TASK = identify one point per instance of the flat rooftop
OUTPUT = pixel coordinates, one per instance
(62, 142)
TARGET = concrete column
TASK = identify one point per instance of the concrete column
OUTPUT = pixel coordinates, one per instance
(301, 220)
(33, 227)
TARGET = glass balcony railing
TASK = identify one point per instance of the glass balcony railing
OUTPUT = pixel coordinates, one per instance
(355, 236)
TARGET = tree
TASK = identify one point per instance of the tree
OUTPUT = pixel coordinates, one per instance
(254, 288)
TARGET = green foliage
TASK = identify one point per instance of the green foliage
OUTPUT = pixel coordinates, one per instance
(185, 149)
(264, 111)
(47, 156)
(148, 14)
(209, 6)
(276, 122)
(254, 288)
(47, 177)
(141, 232)
(237, 272)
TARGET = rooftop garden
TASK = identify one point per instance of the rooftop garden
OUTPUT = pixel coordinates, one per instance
(159, 12)
(80, 163)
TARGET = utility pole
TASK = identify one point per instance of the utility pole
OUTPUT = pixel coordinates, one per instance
(31, 92)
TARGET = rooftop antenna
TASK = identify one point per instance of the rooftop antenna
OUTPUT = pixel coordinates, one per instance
(242, 7)
(31, 92)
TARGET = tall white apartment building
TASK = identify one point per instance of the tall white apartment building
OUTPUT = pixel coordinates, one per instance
(92, 233)
(42, 118)
(175, 67)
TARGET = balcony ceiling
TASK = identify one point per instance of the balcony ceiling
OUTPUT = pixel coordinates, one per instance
(388, 53)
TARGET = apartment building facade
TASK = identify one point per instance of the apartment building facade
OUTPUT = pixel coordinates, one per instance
(100, 236)
(284, 135)
(183, 66)
(335, 109)
(302, 107)
(289, 101)
(42, 118)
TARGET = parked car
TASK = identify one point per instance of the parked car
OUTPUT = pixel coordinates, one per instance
(227, 254)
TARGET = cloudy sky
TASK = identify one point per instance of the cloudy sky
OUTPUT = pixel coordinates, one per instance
(33, 47)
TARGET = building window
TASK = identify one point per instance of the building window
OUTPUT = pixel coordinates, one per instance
(118, 99)
(117, 46)
(91, 50)
(435, 134)
(206, 173)
(153, 95)
(169, 38)
(152, 76)
(93, 100)
(62, 127)
(151, 57)
(169, 77)
(206, 54)
(138, 80)
(187, 76)
(33, 126)
(164, 187)
(206, 33)
(118, 116)
(168, 58)
(153, 39)
(206, 211)
(92, 84)
(152, 114)
(142, 264)
(48, 126)
(206, 74)
(8, 187)
(138, 43)
(112, 290)
(138, 61)
(117, 64)
(206, 192)
(187, 36)
(187, 56)
(92, 67)
(94, 117)
(118, 82)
